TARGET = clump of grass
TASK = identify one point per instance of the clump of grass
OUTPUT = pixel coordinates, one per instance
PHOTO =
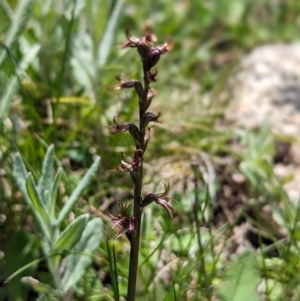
(149, 55)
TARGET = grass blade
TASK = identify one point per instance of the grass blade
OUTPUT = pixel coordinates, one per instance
(107, 40)
(113, 270)
(13, 84)
(18, 24)
(8, 96)
(97, 12)
(5, 14)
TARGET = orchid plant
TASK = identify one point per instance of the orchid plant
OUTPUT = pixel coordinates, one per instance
(130, 224)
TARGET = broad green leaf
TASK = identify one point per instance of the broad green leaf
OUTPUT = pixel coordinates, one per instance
(18, 24)
(240, 280)
(42, 287)
(109, 34)
(79, 190)
(46, 181)
(78, 262)
(70, 236)
(35, 198)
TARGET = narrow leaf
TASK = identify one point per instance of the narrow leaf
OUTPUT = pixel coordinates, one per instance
(35, 198)
(113, 270)
(107, 40)
(41, 287)
(46, 182)
(97, 12)
(5, 15)
(18, 24)
(77, 264)
(6, 9)
(20, 174)
(54, 191)
(11, 88)
(70, 236)
(79, 190)
(7, 96)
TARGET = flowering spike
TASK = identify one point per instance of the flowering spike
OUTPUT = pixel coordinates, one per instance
(150, 55)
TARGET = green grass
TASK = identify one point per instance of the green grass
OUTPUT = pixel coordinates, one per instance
(56, 74)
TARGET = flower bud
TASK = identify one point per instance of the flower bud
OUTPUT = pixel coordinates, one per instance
(139, 89)
(149, 117)
(153, 57)
(135, 133)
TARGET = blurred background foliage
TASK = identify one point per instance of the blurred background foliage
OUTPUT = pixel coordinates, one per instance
(58, 62)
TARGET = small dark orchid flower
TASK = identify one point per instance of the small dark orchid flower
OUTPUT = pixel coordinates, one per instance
(134, 42)
(155, 53)
(136, 160)
(118, 128)
(146, 104)
(123, 220)
(133, 167)
(124, 165)
(124, 84)
(149, 117)
(161, 199)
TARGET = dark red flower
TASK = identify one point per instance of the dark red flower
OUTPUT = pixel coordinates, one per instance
(161, 199)
(118, 128)
(124, 221)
